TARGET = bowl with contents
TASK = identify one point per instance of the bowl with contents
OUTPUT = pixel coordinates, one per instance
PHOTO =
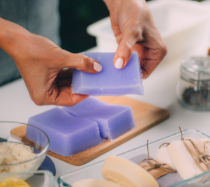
(180, 160)
(193, 88)
(17, 153)
(34, 179)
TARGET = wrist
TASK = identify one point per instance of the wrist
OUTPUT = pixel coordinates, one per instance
(2, 32)
(112, 4)
(12, 37)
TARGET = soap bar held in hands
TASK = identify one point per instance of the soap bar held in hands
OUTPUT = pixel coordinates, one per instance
(110, 81)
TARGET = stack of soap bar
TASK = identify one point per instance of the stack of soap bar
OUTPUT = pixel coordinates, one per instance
(161, 155)
(94, 183)
(113, 120)
(110, 81)
(183, 161)
(68, 135)
(126, 173)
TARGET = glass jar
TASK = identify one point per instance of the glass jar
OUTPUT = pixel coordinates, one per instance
(193, 88)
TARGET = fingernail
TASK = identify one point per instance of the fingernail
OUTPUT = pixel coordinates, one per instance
(119, 63)
(97, 67)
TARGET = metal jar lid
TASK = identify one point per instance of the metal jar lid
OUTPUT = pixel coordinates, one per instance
(195, 68)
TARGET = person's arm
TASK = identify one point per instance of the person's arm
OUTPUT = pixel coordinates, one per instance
(135, 30)
(41, 64)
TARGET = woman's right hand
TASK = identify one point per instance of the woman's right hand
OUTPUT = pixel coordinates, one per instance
(41, 64)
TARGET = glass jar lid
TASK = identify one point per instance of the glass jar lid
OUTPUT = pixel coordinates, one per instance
(195, 68)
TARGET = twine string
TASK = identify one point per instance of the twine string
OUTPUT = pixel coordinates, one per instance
(202, 157)
(166, 144)
(148, 149)
(206, 148)
(181, 134)
(156, 165)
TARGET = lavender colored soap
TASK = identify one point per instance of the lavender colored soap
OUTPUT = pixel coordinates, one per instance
(113, 120)
(110, 81)
(68, 135)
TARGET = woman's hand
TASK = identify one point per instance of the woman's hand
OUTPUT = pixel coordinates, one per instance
(41, 64)
(135, 30)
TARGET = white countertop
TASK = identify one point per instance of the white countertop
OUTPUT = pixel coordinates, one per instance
(160, 90)
(16, 105)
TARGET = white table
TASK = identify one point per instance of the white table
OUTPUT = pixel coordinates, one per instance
(16, 105)
(160, 88)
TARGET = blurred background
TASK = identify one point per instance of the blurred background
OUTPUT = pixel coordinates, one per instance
(75, 17)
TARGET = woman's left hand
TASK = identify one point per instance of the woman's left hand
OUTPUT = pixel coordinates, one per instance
(135, 30)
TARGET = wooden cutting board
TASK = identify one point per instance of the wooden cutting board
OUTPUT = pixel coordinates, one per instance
(145, 116)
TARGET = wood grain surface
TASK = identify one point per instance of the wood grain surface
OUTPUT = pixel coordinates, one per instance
(145, 116)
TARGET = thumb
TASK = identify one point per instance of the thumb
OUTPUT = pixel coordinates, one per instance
(83, 63)
(125, 49)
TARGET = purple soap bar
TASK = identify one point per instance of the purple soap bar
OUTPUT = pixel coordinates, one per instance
(110, 81)
(68, 135)
(113, 120)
